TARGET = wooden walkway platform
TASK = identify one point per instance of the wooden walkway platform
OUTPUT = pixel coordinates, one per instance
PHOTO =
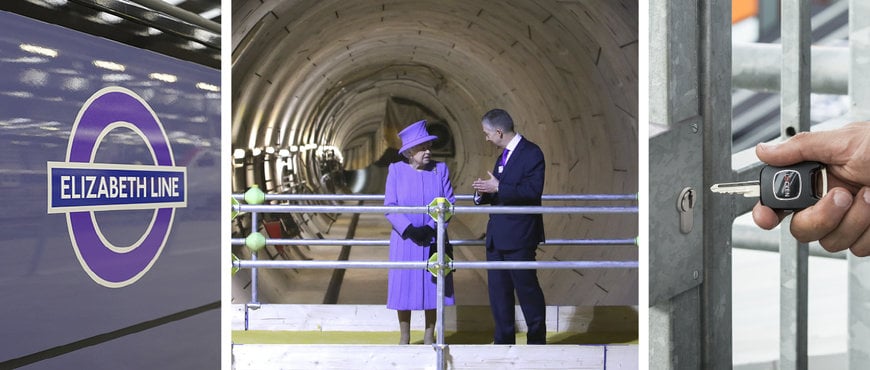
(291, 336)
(466, 357)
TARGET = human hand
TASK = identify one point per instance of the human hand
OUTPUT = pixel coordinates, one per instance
(429, 232)
(489, 185)
(841, 219)
(420, 235)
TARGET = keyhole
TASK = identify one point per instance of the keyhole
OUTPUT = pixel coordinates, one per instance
(685, 207)
(686, 199)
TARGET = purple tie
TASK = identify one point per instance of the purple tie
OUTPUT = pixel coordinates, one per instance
(504, 156)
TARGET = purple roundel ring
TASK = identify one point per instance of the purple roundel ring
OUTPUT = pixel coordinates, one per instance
(107, 264)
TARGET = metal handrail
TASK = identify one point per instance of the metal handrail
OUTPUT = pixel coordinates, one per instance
(295, 208)
(458, 242)
(462, 197)
(405, 265)
(440, 267)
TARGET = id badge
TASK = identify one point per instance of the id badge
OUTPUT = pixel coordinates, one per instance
(500, 169)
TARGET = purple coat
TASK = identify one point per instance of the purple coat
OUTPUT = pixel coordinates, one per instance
(414, 289)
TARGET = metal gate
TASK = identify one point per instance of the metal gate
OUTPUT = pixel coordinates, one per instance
(690, 82)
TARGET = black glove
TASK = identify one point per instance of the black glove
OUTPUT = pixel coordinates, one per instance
(420, 235)
(430, 233)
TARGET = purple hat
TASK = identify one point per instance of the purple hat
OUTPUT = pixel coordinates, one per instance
(415, 134)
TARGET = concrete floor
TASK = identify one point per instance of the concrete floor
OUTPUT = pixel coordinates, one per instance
(756, 307)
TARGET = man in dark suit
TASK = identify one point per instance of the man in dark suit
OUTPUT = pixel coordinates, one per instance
(516, 180)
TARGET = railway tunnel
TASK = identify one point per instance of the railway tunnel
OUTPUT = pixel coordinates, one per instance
(321, 88)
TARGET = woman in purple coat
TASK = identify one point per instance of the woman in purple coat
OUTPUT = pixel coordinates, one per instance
(415, 182)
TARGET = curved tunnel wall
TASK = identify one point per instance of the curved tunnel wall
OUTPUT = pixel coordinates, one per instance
(322, 72)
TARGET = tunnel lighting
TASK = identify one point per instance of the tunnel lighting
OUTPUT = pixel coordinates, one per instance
(112, 66)
(239, 153)
(31, 60)
(75, 83)
(165, 77)
(109, 18)
(117, 77)
(257, 152)
(193, 45)
(38, 50)
(270, 150)
(310, 146)
(211, 13)
(284, 153)
(335, 152)
(18, 94)
(34, 77)
(51, 3)
(207, 87)
(15, 121)
(294, 148)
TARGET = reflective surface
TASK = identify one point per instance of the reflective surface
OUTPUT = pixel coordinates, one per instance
(54, 314)
(135, 24)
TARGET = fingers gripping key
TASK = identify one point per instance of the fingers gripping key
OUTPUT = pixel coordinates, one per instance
(792, 187)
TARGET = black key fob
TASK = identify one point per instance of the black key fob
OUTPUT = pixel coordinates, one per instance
(793, 187)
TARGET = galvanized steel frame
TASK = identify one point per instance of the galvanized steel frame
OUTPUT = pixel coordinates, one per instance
(690, 273)
(859, 268)
(795, 116)
(690, 56)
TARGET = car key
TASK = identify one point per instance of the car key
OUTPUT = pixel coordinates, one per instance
(792, 187)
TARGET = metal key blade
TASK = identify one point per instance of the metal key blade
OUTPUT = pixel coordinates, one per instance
(748, 189)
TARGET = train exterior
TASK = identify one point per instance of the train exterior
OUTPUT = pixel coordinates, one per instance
(110, 183)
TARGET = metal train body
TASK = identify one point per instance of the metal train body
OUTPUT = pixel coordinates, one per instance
(114, 276)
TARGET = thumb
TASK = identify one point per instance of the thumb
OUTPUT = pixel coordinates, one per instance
(805, 146)
(490, 174)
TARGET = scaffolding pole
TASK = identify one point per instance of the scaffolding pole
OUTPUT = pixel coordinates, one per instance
(499, 265)
(459, 242)
(795, 113)
(294, 208)
(462, 197)
(440, 267)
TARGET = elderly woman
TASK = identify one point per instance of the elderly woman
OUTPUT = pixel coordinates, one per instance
(415, 181)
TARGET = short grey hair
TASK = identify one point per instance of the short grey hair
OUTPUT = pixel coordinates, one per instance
(499, 119)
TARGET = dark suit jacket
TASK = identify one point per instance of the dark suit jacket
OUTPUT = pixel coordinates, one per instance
(520, 184)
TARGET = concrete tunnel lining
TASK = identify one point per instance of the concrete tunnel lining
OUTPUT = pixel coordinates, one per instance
(321, 72)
